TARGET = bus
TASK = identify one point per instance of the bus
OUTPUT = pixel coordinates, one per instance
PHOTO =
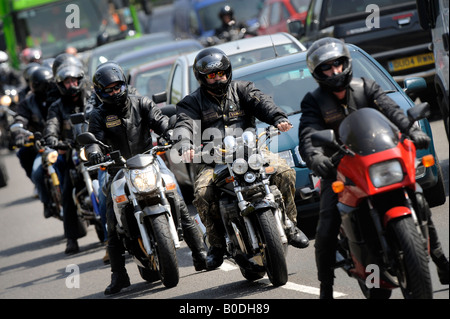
(54, 25)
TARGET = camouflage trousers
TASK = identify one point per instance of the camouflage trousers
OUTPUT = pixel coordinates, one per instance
(206, 197)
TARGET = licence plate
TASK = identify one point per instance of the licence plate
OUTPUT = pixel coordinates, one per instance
(411, 62)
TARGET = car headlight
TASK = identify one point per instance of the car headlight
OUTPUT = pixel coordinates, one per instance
(240, 166)
(386, 173)
(287, 156)
(144, 180)
(255, 161)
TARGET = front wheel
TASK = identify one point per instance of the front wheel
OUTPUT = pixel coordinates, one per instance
(411, 260)
(271, 248)
(165, 257)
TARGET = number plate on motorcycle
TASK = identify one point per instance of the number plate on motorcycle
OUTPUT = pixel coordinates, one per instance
(411, 62)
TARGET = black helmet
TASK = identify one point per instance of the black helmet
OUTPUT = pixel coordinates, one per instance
(65, 59)
(107, 73)
(40, 80)
(325, 50)
(69, 71)
(29, 69)
(211, 60)
(226, 10)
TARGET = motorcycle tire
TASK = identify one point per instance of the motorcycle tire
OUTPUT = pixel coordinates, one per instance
(56, 200)
(165, 256)
(411, 259)
(272, 249)
(148, 274)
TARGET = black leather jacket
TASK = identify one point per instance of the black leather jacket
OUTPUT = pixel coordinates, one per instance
(129, 133)
(32, 113)
(58, 118)
(239, 108)
(321, 110)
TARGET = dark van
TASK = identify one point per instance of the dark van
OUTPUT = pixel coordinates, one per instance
(389, 30)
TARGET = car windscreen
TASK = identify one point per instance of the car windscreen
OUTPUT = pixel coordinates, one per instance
(288, 84)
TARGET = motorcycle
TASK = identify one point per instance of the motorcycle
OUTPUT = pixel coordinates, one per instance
(49, 157)
(383, 238)
(146, 210)
(252, 209)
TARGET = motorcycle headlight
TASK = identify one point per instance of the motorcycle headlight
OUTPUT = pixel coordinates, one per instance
(255, 161)
(249, 139)
(287, 156)
(240, 166)
(386, 173)
(5, 100)
(50, 157)
(230, 144)
(144, 180)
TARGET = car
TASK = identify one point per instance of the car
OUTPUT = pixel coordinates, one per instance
(151, 78)
(199, 18)
(241, 52)
(132, 59)
(275, 14)
(435, 18)
(109, 51)
(389, 30)
(287, 79)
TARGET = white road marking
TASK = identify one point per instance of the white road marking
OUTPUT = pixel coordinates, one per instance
(228, 266)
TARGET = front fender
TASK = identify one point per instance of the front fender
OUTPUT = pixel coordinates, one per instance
(395, 212)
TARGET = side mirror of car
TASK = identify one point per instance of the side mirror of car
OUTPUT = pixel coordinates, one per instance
(414, 85)
(296, 28)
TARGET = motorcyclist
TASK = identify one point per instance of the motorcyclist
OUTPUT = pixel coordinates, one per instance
(74, 93)
(339, 94)
(228, 24)
(32, 113)
(225, 104)
(7, 74)
(121, 116)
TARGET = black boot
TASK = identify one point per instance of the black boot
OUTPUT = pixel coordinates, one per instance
(442, 266)
(119, 280)
(326, 291)
(72, 247)
(297, 238)
(195, 243)
(214, 258)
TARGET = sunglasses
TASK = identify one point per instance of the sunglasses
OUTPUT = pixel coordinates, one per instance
(213, 75)
(335, 63)
(114, 88)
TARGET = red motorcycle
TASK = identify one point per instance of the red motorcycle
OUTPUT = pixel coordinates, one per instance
(383, 240)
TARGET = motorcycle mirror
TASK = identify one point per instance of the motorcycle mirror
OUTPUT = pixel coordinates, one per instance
(323, 138)
(16, 127)
(419, 111)
(159, 97)
(87, 138)
(77, 118)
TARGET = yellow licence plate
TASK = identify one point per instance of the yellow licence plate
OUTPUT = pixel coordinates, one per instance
(411, 62)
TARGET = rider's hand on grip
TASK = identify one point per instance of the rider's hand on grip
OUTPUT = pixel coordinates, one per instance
(19, 140)
(420, 139)
(96, 158)
(51, 141)
(321, 165)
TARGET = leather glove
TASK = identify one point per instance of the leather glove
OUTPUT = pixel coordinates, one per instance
(419, 138)
(321, 165)
(51, 141)
(95, 158)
